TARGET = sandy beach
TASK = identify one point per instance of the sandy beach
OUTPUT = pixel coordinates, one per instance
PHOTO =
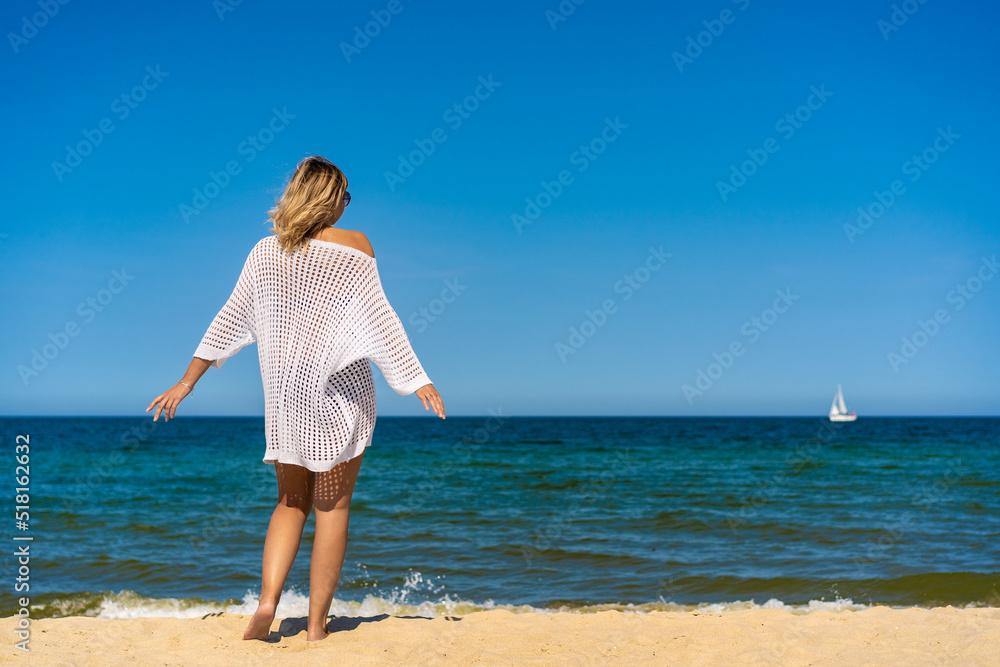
(875, 636)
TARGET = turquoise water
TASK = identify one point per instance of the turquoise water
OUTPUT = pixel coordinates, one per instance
(130, 517)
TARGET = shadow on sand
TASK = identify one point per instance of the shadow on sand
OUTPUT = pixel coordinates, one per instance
(290, 627)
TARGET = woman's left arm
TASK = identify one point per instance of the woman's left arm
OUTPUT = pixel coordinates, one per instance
(172, 397)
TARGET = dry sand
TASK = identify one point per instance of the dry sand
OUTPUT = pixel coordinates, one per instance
(875, 636)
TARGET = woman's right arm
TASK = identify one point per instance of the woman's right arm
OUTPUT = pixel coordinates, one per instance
(172, 397)
(231, 330)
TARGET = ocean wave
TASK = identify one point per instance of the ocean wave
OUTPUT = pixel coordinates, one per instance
(128, 604)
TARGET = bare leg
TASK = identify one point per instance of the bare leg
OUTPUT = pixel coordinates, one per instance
(284, 533)
(332, 500)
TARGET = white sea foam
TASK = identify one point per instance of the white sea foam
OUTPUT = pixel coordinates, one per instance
(416, 596)
(295, 604)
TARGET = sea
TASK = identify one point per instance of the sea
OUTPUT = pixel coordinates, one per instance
(124, 517)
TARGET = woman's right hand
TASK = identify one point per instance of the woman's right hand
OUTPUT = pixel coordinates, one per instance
(431, 399)
(169, 400)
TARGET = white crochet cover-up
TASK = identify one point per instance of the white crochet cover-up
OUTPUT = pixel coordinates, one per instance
(317, 317)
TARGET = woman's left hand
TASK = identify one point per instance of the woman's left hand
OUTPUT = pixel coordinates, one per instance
(431, 399)
(169, 401)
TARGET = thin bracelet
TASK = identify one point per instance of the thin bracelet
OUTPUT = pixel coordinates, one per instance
(187, 385)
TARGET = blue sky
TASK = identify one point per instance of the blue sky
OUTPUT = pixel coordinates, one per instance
(745, 159)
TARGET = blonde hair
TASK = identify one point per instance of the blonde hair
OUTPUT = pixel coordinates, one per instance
(313, 193)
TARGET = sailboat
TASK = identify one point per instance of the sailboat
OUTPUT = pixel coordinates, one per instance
(838, 411)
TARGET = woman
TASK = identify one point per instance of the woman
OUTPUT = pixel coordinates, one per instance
(310, 296)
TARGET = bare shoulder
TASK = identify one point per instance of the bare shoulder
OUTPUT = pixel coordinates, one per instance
(354, 239)
(360, 241)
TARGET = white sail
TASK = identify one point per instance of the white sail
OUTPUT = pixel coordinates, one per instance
(838, 411)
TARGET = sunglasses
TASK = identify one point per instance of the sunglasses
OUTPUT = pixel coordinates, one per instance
(347, 198)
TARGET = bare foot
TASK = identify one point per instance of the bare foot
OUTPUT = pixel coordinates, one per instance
(317, 636)
(260, 624)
